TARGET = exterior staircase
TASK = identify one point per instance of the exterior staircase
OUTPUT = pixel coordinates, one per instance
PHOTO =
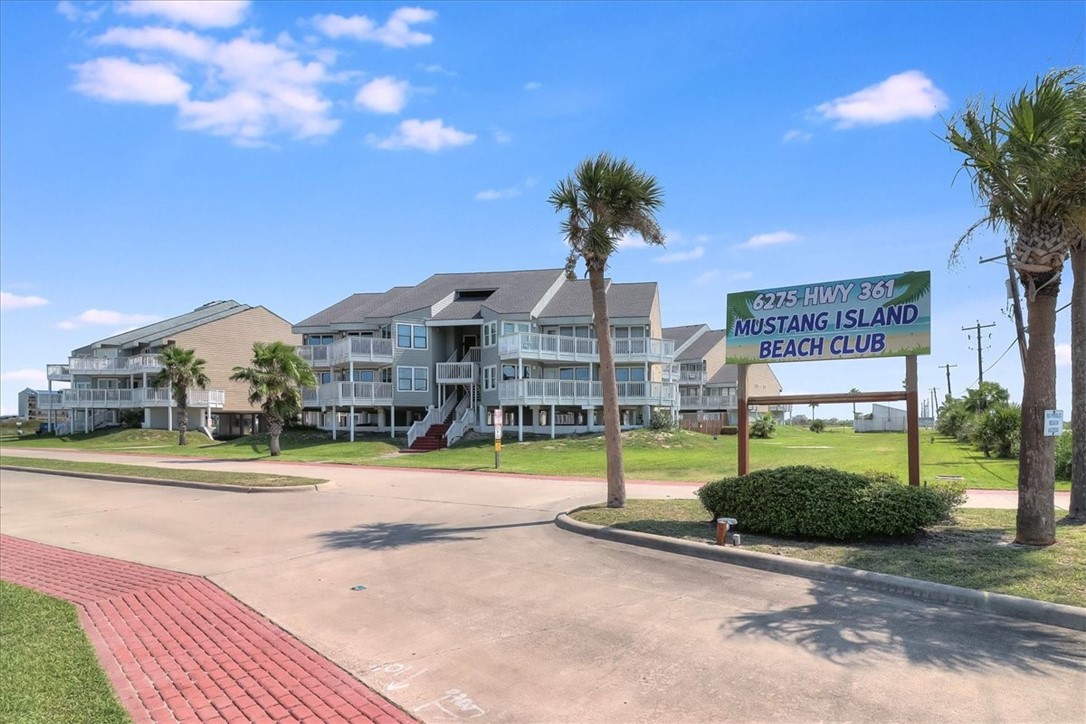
(434, 439)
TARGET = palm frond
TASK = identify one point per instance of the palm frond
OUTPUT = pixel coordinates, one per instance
(910, 287)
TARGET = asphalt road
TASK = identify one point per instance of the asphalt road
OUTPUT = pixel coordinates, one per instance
(476, 607)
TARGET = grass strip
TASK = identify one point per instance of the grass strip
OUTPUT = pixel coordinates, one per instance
(974, 550)
(48, 666)
(215, 477)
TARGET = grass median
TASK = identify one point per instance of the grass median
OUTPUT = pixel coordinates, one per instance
(213, 477)
(975, 550)
(48, 666)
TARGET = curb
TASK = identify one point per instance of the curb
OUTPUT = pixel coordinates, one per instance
(1026, 609)
(168, 483)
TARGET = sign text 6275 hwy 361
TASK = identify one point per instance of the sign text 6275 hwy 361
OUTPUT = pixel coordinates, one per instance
(885, 316)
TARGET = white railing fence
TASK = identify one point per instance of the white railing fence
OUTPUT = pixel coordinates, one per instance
(465, 420)
(585, 392)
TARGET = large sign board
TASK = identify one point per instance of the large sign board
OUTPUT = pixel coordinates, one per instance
(886, 316)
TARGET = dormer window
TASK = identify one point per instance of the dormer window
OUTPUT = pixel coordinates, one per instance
(474, 295)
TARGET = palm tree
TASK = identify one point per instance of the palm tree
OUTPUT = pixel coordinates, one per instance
(605, 199)
(1010, 154)
(181, 370)
(275, 380)
(986, 396)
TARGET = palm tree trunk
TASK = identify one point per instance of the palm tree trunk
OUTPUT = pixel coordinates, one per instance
(1078, 384)
(182, 417)
(1036, 522)
(612, 430)
(275, 428)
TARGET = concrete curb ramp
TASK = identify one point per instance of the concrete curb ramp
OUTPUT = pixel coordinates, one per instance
(1026, 609)
(308, 487)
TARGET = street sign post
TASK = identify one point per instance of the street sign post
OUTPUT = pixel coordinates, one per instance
(497, 438)
(1053, 422)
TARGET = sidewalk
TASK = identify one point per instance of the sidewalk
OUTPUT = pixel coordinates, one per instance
(178, 649)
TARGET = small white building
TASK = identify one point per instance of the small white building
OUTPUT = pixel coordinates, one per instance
(883, 419)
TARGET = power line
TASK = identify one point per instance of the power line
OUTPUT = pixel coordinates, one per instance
(980, 346)
(998, 359)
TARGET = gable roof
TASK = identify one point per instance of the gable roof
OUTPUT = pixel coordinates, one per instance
(702, 345)
(682, 335)
(151, 333)
(351, 309)
(514, 291)
(574, 299)
(726, 375)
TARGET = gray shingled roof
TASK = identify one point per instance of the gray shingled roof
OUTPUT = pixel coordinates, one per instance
(726, 375)
(681, 335)
(461, 310)
(351, 309)
(514, 291)
(574, 299)
(702, 345)
(158, 330)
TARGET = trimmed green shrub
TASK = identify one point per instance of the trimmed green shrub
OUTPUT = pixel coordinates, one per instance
(801, 501)
(661, 420)
(1063, 455)
(817, 426)
(997, 430)
(132, 418)
(763, 427)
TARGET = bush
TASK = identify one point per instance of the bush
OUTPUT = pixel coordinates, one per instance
(661, 420)
(1063, 456)
(953, 417)
(132, 418)
(763, 427)
(817, 426)
(801, 501)
(997, 430)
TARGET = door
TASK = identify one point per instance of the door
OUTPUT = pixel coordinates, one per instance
(469, 341)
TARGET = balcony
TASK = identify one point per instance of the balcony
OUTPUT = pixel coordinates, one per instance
(707, 402)
(136, 364)
(50, 400)
(583, 393)
(138, 397)
(692, 377)
(462, 372)
(555, 348)
(372, 350)
(58, 373)
(362, 394)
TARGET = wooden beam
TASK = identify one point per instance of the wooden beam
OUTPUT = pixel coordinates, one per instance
(828, 397)
(912, 421)
(744, 422)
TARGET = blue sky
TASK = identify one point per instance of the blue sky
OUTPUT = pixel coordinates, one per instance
(155, 156)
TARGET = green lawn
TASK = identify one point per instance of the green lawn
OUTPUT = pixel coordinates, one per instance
(679, 456)
(47, 665)
(973, 551)
(216, 477)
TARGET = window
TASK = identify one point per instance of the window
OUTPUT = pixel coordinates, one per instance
(627, 332)
(316, 340)
(412, 379)
(489, 377)
(386, 374)
(490, 334)
(629, 374)
(410, 336)
(363, 376)
(514, 327)
(573, 373)
(509, 372)
(326, 377)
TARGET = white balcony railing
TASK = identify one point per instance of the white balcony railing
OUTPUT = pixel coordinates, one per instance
(707, 402)
(532, 345)
(583, 392)
(135, 364)
(461, 373)
(139, 397)
(364, 394)
(346, 350)
(58, 373)
(692, 377)
(50, 400)
(316, 355)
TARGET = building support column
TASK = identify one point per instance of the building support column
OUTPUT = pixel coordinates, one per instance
(352, 423)
(520, 423)
(86, 420)
(169, 415)
(552, 422)
(335, 423)
(392, 422)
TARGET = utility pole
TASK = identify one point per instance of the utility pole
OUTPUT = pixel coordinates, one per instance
(980, 348)
(947, 367)
(1016, 300)
(934, 401)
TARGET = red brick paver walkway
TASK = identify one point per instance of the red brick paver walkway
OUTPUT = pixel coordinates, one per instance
(179, 649)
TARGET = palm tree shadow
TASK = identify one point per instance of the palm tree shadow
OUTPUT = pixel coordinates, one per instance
(385, 536)
(847, 625)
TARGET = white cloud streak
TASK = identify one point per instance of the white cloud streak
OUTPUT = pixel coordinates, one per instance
(707, 277)
(430, 136)
(122, 81)
(201, 14)
(796, 136)
(83, 12)
(32, 377)
(93, 317)
(532, 85)
(679, 256)
(395, 33)
(498, 194)
(383, 95)
(9, 301)
(771, 239)
(906, 95)
(1063, 355)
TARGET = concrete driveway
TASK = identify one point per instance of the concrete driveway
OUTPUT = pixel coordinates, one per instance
(476, 607)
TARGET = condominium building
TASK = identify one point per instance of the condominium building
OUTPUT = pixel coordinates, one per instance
(115, 375)
(439, 358)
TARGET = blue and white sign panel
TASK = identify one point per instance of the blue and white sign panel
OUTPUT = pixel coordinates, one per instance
(886, 316)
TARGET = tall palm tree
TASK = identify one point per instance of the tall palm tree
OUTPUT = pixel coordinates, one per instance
(1010, 153)
(275, 380)
(182, 370)
(605, 199)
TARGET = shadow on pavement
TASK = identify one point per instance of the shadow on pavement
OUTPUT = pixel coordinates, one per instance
(849, 626)
(207, 461)
(381, 536)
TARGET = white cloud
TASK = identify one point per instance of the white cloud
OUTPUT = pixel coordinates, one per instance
(80, 11)
(795, 135)
(202, 14)
(770, 239)
(107, 317)
(395, 33)
(435, 68)
(383, 95)
(251, 90)
(497, 194)
(906, 95)
(532, 85)
(502, 136)
(9, 301)
(707, 277)
(740, 276)
(630, 240)
(30, 377)
(1063, 355)
(432, 136)
(121, 80)
(677, 256)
